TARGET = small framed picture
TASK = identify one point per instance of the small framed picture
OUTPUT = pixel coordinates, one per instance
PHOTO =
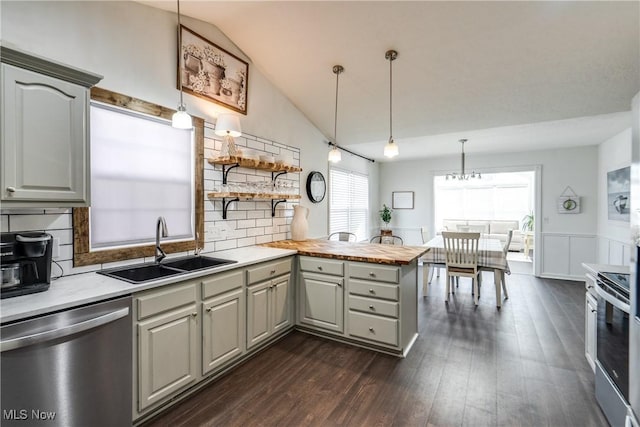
(402, 200)
(210, 72)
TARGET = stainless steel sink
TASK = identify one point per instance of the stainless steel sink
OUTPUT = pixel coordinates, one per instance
(142, 273)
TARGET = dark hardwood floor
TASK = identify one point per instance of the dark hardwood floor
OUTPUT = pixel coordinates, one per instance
(521, 366)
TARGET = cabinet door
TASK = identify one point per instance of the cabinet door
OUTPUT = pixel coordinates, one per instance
(222, 329)
(591, 329)
(44, 134)
(258, 313)
(321, 301)
(281, 302)
(167, 354)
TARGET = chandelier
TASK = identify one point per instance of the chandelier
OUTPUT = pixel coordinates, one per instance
(462, 176)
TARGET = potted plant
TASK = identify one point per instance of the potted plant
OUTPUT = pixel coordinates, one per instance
(385, 216)
(528, 222)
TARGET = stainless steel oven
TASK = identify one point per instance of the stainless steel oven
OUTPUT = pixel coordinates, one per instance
(612, 364)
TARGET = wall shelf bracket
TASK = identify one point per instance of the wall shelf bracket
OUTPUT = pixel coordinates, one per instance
(225, 171)
(275, 175)
(275, 203)
(225, 205)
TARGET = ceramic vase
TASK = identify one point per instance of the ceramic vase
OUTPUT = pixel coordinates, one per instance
(299, 224)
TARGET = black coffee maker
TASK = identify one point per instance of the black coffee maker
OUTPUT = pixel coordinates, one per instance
(25, 261)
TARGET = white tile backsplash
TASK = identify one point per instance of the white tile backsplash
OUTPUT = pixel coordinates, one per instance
(249, 222)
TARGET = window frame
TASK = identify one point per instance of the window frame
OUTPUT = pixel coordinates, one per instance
(82, 255)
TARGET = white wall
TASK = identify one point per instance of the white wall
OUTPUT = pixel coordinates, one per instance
(134, 47)
(614, 239)
(572, 166)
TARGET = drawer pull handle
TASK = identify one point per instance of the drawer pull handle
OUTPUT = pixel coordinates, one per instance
(593, 310)
(11, 189)
(371, 291)
(320, 267)
(371, 308)
(209, 309)
(371, 329)
(194, 314)
(272, 272)
(590, 286)
(372, 274)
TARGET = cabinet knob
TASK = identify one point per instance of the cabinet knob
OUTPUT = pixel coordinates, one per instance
(272, 272)
(593, 310)
(371, 307)
(371, 329)
(11, 189)
(372, 274)
(320, 267)
(590, 286)
(371, 291)
(194, 314)
(209, 309)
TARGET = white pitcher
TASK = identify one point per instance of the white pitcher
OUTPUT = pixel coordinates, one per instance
(299, 224)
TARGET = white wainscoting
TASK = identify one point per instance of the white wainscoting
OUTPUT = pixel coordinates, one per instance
(613, 252)
(563, 254)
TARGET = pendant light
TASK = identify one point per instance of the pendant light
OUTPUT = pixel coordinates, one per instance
(334, 154)
(462, 176)
(391, 149)
(180, 119)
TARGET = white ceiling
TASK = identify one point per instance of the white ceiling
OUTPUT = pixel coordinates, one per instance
(508, 76)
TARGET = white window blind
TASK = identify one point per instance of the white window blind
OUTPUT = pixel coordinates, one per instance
(349, 202)
(141, 168)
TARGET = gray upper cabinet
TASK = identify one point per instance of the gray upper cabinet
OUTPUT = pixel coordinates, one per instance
(45, 132)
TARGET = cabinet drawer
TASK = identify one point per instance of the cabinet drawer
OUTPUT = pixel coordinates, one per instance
(373, 289)
(221, 283)
(375, 272)
(319, 265)
(268, 271)
(373, 328)
(373, 306)
(158, 301)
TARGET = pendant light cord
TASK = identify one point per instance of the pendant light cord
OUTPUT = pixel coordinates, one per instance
(335, 118)
(179, 51)
(391, 98)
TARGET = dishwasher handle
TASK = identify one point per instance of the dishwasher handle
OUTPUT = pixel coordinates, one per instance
(41, 337)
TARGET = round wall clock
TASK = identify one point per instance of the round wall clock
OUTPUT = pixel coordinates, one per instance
(316, 187)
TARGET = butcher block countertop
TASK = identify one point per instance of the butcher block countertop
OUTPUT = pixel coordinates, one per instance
(364, 252)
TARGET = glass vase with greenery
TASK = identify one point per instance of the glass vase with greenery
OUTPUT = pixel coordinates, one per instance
(385, 215)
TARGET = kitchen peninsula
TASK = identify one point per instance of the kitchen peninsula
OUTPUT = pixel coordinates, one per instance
(361, 293)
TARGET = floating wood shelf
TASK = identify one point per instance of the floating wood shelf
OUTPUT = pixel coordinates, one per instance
(254, 164)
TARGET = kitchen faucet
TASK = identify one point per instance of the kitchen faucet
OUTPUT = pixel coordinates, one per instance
(161, 225)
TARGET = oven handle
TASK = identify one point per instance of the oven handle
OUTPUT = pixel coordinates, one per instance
(41, 337)
(612, 300)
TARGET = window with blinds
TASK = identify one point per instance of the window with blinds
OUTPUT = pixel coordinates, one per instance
(348, 202)
(140, 170)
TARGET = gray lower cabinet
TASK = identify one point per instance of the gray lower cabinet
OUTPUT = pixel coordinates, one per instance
(590, 321)
(269, 300)
(168, 342)
(321, 294)
(45, 132)
(223, 319)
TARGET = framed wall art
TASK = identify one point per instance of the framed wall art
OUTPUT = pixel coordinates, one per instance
(402, 200)
(618, 194)
(569, 202)
(210, 72)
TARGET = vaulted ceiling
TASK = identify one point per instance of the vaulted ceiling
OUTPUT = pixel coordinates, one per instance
(508, 76)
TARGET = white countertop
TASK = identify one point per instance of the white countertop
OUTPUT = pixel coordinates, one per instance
(88, 288)
(605, 268)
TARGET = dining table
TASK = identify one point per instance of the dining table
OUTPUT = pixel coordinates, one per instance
(491, 256)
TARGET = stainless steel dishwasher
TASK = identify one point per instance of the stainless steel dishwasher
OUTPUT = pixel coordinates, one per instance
(70, 368)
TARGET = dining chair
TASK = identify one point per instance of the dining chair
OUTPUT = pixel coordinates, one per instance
(461, 256)
(387, 240)
(435, 268)
(343, 236)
